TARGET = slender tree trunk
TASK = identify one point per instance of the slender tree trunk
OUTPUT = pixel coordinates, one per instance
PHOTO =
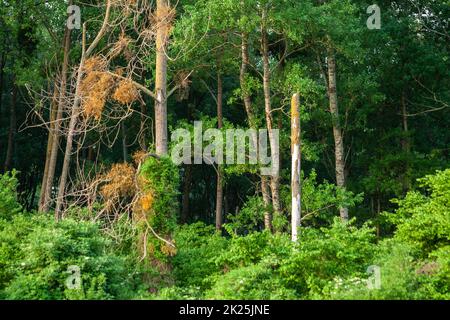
(143, 129)
(219, 190)
(252, 123)
(406, 144)
(275, 181)
(45, 199)
(12, 129)
(161, 138)
(186, 193)
(296, 166)
(2, 73)
(124, 142)
(76, 108)
(48, 153)
(337, 130)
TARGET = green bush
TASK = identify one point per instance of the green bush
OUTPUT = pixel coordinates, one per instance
(36, 252)
(255, 282)
(198, 247)
(424, 220)
(9, 205)
(326, 253)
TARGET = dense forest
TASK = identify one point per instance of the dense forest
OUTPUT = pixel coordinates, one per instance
(353, 100)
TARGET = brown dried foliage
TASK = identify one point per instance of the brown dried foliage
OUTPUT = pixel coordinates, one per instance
(120, 182)
(95, 89)
(126, 92)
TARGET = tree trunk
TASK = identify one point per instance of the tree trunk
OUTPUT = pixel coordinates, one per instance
(2, 73)
(12, 129)
(162, 8)
(406, 144)
(337, 130)
(45, 199)
(48, 153)
(296, 166)
(124, 142)
(219, 190)
(186, 193)
(252, 123)
(76, 109)
(275, 179)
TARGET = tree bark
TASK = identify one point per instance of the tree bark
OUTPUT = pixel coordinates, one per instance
(219, 189)
(2, 73)
(337, 130)
(76, 109)
(186, 193)
(12, 129)
(296, 166)
(45, 199)
(275, 179)
(406, 144)
(124, 142)
(48, 152)
(245, 61)
(162, 7)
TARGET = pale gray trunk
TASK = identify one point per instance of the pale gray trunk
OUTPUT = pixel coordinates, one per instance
(161, 79)
(296, 166)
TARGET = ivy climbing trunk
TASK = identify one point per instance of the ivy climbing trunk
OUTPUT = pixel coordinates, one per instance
(337, 130)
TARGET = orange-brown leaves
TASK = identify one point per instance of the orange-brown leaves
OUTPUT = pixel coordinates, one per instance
(95, 89)
(139, 156)
(95, 63)
(126, 92)
(120, 182)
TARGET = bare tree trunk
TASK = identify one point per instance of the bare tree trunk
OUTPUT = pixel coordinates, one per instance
(45, 199)
(12, 129)
(186, 193)
(2, 73)
(337, 130)
(124, 142)
(252, 123)
(275, 181)
(162, 8)
(52, 118)
(406, 143)
(266, 199)
(296, 166)
(219, 190)
(76, 109)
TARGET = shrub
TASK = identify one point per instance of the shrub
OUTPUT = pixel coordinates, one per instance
(423, 220)
(35, 254)
(323, 254)
(9, 205)
(198, 247)
(254, 282)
